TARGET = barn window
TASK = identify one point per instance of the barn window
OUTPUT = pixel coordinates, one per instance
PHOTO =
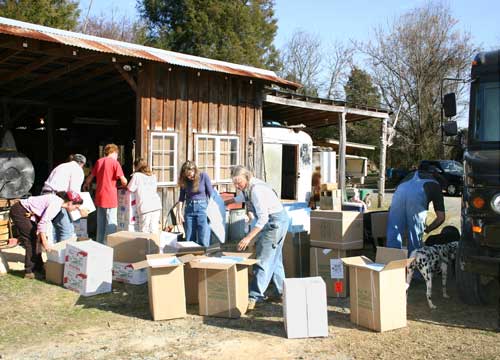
(163, 157)
(216, 155)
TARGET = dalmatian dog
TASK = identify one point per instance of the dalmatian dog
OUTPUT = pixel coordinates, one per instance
(430, 260)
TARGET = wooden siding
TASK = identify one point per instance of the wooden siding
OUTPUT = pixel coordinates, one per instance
(188, 102)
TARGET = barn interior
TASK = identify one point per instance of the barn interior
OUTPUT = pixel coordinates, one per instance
(57, 100)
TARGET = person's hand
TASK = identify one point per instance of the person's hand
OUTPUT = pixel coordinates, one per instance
(84, 212)
(243, 244)
(85, 187)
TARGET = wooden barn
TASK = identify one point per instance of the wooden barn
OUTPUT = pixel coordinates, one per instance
(63, 92)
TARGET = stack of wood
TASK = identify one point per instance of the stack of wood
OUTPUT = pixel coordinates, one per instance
(5, 225)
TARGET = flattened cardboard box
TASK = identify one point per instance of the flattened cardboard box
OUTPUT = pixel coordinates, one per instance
(341, 230)
(132, 247)
(378, 290)
(223, 284)
(296, 254)
(327, 263)
(305, 310)
(167, 298)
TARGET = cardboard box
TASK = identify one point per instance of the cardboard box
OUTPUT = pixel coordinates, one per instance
(185, 247)
(168, 240)
(341, 230)
(88, 205)
(223, 284)
(330, 200)
(379, 224)
(327, 263)
(328, 187)
(131, 247)
(304, 308)
(167, 299)
(57, 252)
(191, 284)
(378, 290)
(296, 254)
(127, 211)
(125, 273)
(88, 267)
(54, 272)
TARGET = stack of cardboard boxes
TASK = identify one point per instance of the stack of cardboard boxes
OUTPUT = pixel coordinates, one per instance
(87, 268)
(334, 235)
(127, 211)
(330, 197)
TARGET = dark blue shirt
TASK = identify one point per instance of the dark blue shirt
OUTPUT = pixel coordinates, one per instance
(204, 189)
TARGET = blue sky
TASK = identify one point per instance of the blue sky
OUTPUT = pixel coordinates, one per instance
(355, 19)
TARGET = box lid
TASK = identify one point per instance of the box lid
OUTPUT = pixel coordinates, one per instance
(160, 261)
(387, 259)
(221, 263)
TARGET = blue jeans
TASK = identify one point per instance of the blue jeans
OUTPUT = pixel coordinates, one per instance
(269, 249)
(196, 222)
(107, 223)
(63, 226)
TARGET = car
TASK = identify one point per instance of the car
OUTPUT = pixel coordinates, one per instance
(451, 174)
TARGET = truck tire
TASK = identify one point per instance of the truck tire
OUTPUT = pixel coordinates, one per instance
(469, 286)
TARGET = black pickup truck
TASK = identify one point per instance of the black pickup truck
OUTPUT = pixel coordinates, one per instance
(451, 174)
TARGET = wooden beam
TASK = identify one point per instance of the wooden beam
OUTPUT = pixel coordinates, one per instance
(342, 153)
(102, 85)
(383, 154)
(27, 69)
(51, 76)
(324, 107)
(7, 54)
(53, 104)
(78, 81)
(127, 76)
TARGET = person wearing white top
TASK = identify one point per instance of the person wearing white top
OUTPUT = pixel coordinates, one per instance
(67, 176)
(144, 185)
(269, 231)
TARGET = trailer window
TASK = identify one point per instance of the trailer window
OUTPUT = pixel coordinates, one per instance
(216, 155)
(163, 157)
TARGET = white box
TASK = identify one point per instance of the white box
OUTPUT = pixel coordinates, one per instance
(57, 252)
(127, 211)
(168, 241)
(125, 273)
(304, 307)
(89, 256)
(85, 284)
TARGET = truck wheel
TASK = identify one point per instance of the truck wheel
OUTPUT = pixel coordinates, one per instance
(452, 190)
(468, 284)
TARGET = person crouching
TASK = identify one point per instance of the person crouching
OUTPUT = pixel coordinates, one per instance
(31, 217)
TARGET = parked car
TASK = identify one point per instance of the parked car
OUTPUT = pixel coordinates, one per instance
(451, 174)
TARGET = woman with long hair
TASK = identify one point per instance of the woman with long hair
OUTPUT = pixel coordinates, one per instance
(196, 189)
(144, 185)
(31, 217)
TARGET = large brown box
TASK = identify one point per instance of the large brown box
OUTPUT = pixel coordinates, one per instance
(167, 298)
(378, 290)
(330, 200)
(131, 247)
(341, 230)
(191, 284)
(54, 272)
(296, 254)
(223, 285)
(327, 263)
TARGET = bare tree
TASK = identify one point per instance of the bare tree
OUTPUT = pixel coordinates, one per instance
(113, 26)
(339, 61)
(301, 59)
(408, 60)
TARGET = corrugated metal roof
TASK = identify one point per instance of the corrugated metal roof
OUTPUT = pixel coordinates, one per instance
(32, 31)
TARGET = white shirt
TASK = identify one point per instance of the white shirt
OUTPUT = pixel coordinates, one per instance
(145, 188)
(65, 177)
(264, 200)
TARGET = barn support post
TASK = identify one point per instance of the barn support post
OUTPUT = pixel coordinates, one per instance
(383, 154)
(50, 138)
(342, 152)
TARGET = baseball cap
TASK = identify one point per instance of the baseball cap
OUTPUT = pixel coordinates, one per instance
(79, 158)
(74, 197)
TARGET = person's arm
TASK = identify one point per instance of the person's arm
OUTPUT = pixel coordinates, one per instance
(237, 199)
(123, 181)
(208, 186)
(262, 219)
(88, 181)
(50, 213)
(178, 211)
(132, 185)
(43, 241)
(436, 196)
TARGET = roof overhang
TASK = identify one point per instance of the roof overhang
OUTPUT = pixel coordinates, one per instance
(314, 112)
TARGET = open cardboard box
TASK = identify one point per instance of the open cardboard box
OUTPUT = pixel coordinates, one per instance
(378, 289)
(167, 299)
(223, 284)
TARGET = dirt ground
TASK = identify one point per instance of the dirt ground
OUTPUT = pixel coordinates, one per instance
(43, 321)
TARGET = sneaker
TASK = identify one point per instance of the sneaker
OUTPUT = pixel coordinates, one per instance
(29, 276)
(251, 304)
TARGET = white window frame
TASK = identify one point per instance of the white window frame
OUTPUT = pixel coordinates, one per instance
(217, 153)
(164, 135)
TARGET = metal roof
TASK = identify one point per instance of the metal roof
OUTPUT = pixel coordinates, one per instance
(69, 38)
